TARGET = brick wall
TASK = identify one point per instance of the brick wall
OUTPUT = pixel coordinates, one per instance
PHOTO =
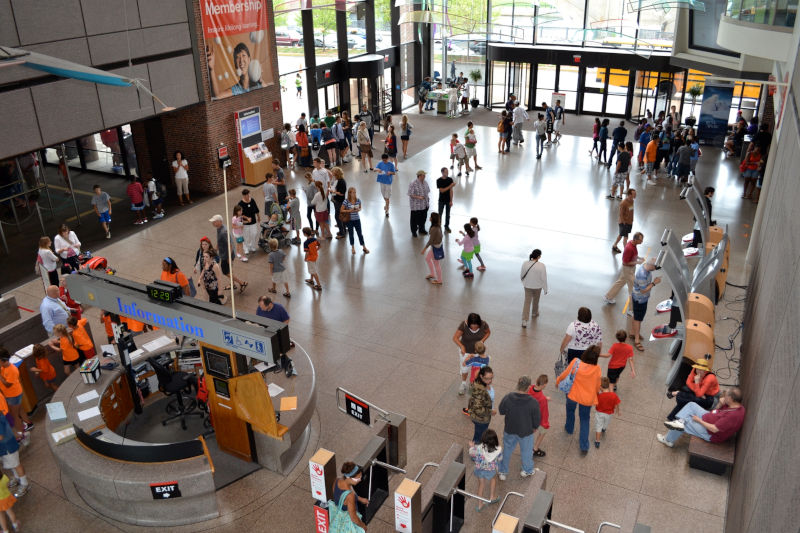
(199, 129)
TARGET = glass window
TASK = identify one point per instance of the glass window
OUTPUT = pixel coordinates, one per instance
(610, 23)
(560, 23)
(657, 29)
(704, 25)
(568, 84)
(356, 28)
(617, 92)
(545, 84)
(289, 40)
(325, 44)
(294, 98)
(383, 24)
(511, 21)
(499, 95)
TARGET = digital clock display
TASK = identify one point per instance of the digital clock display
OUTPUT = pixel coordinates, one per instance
(163, 291)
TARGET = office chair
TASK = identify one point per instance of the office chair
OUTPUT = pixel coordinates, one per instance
(176, 384)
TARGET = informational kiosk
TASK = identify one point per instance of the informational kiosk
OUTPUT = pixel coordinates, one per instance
(255, 160)
(120, 477)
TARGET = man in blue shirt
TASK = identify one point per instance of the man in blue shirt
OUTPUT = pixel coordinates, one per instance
(643, 283)
(386, 172)
(53, 310)
(618, 137)
(269, 309)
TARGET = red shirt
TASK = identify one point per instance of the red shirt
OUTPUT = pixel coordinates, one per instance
(544, 411)
(727, 420)
(135, 192)
(630, 253)
(620, 353)
(606, 402)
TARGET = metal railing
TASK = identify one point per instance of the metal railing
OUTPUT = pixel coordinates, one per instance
(500, 509)
(424, 467)
(384, 465)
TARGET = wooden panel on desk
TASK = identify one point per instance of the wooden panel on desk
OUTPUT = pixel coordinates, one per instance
(232, 433)
(252, 403)
(255, 173)
(123, 391)
(700, 308)
(29, 396)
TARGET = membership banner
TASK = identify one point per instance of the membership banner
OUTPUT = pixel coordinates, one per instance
(237, 46)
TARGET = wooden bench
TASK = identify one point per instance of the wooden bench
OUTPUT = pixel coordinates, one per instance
(711, 457)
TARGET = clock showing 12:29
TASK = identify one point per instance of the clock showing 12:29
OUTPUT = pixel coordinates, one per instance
(161, 294)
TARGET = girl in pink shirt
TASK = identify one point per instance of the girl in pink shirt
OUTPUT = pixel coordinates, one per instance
(468, 250)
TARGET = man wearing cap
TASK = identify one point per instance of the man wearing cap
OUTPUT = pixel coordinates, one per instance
(418, 192)
(714, 426)
(250, 219)
(223, 244)
(701, 388)
(522, 418)
(643, 283)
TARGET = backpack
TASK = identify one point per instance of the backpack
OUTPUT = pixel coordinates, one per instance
(284, 141)
(423, 91)
(500, 126)
(315, 144)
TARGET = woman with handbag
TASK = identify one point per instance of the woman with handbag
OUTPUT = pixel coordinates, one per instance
(436, 252)
(303, 149)
(343, 507)
(581, 381)
(581, 334)
(170, 272)
(534, 280)
(68, 247)
(349, 214)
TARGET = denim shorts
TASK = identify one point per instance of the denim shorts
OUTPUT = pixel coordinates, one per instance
(485, 474)
(14, 400)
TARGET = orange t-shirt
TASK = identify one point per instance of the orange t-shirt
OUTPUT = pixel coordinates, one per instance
(109, 325)
(10, 373)
(48, 372)
(134, 325)
(650, 151)
(312, 251)
(3, 405)
(81, 336)
(68, 351)
(177, 277)
(586, 383)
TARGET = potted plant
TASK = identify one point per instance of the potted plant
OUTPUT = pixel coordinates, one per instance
(475, 76)
(694, 91)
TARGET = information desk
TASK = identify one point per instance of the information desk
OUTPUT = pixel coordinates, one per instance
(117, 477)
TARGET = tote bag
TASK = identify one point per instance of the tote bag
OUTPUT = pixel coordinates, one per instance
(566, 385)
(339, 520)
(438, 252)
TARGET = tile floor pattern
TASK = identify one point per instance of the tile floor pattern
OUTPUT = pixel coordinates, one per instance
(380, 330)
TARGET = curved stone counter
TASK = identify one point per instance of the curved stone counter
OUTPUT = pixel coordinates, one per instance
(122, 490)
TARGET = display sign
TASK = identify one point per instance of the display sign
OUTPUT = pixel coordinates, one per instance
(317, 473)
(165, 491)
(402, 513)
(557, 96)
(407, 506)
(238, 48)
(320, 519)
(712, 126)
(357, 409)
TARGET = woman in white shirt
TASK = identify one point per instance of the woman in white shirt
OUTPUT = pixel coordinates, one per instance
(68, 247)
(534, 279)
(180, 168)
(47, 263)
(320, 203)
(581, 334)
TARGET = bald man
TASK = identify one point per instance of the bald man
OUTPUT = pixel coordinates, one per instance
(53, 310)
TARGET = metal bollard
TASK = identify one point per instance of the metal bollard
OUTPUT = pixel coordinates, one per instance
(448, 503)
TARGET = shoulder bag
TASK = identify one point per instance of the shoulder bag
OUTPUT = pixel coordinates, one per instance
(340, 521)
(438, 252)
(566, 385)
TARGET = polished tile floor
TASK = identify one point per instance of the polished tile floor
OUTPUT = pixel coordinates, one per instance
(381, 331)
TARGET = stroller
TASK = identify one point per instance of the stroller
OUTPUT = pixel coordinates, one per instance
(274, 228)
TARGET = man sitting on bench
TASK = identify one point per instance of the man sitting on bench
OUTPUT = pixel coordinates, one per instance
(714, 426)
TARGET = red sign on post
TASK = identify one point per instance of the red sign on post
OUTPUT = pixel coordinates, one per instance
(222, 151)
(320, 519)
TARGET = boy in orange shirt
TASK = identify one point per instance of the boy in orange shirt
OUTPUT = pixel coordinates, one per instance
(44, 369)
(83, 341)
(311, 248)
(620, 353)
(63, 342)
(11, 388)
(607, 404)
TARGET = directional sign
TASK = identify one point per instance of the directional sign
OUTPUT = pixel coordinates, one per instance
(165, 491)
(357, 409)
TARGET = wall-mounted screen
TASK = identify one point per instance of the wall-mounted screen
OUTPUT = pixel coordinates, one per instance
(221, 388)
(250, 125)
(218, 364)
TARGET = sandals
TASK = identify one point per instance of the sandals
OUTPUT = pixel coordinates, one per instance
(539, 453)
(286, 294)
(429, 277)
(273, 291)
(436, 282)
(309, 281)
(243, 286)
(639, 346)
(317, 287)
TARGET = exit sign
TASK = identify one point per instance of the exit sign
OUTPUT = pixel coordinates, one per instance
(165, 491)
(357, 409)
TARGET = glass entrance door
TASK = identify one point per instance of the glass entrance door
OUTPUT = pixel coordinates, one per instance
(360, 93)
(519, 80)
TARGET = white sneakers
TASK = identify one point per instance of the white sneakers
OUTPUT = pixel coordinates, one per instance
(663, 440)
(502, 477)
(675, 424)
(462, 389)
(609, 301)
(524, 323)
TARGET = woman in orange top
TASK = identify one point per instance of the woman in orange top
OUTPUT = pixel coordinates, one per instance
(83, 341)
(170, 272)
(43, 368)
(701, 388)
(64, 343)
(583, 392)
(11, 388)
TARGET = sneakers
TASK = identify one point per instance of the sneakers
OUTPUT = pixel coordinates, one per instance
(501, 476)
(13, 483)
(465, 411)
(663, 440)
(21, 490)
(525, 474)
(108, 235)
(524, 323)
(27, 426)
(609, 301)
(462, 389)
(616, 250)
(610, 197)
(597, 444)
(244, 259)
(159, 215)
(675, 424)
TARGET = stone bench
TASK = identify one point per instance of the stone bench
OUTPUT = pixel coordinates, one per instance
(711, 457)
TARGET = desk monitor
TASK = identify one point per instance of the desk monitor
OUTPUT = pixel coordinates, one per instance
(221, 388)
(218, 363)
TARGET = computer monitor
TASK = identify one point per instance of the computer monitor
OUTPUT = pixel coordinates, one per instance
(218, 364)
(221, 388)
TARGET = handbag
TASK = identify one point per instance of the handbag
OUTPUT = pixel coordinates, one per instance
(560, 365)
(438, 252)
(566, 385)
(192, 288)
(344, 216)
(339, 520)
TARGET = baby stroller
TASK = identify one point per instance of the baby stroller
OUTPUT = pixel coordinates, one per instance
(274, 228)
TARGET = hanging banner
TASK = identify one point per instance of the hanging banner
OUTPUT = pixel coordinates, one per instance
(712, 127)
(238, 49)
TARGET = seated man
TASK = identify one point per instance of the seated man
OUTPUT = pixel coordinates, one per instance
(714, 426)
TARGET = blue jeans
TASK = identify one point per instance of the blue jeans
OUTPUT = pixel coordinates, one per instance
(691, 427)
(584, 413)
(540, 144)
(355, 225)
(510, 442)
(479, 429)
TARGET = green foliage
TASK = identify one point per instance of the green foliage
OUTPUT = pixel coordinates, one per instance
(383, 14)
(475, 75)
(324, 17)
